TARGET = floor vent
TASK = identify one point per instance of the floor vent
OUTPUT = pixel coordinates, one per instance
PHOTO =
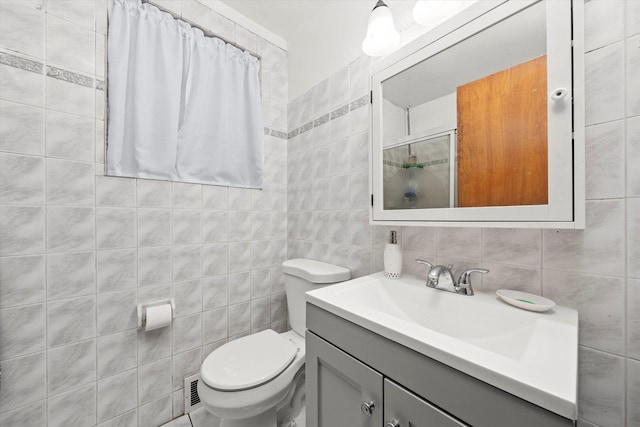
(191, 398)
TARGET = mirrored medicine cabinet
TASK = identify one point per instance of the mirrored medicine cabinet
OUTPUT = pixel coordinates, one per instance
(480, 121)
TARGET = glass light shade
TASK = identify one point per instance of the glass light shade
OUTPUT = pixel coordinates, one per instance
(434, 12)
(382, 36)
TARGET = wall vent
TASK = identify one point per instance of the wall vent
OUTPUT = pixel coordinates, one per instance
(191, 398)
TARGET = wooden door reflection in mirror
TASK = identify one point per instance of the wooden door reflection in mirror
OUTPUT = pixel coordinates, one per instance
(502, 137)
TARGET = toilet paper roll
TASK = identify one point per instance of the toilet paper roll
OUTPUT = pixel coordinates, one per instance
(158, 316)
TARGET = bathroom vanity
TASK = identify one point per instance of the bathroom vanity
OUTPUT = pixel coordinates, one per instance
(373, 360)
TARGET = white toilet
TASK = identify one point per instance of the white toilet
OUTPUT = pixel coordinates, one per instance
(258, 380)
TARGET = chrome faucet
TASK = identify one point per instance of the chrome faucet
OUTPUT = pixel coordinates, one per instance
(440, 277)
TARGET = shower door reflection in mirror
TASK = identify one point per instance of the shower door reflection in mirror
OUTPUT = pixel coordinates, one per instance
(420, 174)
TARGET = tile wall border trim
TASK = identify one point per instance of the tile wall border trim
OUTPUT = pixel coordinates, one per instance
(337, 113)
(39, 67)
(322, 120)
(69, 77)
(278, 134)
(21, 63)
(360, 102)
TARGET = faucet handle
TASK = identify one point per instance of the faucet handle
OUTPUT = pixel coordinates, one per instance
(465, 277)
(464, 282)
(422, 261)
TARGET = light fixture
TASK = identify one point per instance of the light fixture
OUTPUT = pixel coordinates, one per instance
(382, 37)
(434, 12)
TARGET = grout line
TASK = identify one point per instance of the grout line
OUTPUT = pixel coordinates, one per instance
(625, 47)
(46, 211)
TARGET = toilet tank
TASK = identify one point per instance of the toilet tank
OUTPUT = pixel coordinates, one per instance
(302, 275)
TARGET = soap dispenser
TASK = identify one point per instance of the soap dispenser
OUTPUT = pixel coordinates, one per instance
(392, 258)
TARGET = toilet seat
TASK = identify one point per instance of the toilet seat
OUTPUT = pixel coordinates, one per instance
(248, 361)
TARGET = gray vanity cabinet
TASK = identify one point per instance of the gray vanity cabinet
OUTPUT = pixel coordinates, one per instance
(351, 371)
(403, 409)
(340, 389)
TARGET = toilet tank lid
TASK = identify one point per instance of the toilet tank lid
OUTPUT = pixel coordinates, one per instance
(315, 271)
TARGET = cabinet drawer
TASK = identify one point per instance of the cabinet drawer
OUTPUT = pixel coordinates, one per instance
(409, 410)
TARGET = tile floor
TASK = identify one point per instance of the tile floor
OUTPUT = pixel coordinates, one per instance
(201, 418)
(198, 418)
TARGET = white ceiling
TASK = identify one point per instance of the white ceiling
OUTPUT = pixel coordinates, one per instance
(302, 18)
(322, 35)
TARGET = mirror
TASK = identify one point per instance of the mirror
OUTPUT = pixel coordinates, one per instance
(474, 121)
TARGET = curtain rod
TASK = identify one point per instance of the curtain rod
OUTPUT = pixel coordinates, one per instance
(206, 32)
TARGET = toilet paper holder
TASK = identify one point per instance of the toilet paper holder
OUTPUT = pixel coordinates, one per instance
(142, 310)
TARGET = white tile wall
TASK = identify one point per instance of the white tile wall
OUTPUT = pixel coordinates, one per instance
(117, 394)
(633, 68)
(633, 392)
(597, 12)
(21, 179)
(69, 44)
(70, 137)
(605, 83)
(71, 365)
(595, 270)
(70, 98)
(66, 409)
(605, 157)
(34, 415)
(601, 389)
(22, 126)
(22, 280)
(22, 27)
(79, 250)
(23, 87)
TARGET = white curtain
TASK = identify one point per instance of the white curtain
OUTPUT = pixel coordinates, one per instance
(182, 107)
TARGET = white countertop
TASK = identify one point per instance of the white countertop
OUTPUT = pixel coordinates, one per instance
(531, 355)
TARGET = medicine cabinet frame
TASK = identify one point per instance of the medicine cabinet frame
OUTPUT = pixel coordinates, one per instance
(566, 137)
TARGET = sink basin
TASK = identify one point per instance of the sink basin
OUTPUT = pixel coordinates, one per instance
(531, 355)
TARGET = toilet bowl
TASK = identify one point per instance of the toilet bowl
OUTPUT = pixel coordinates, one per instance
(258, 380)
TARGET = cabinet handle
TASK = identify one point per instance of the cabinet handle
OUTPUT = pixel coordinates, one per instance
(367, 408)
(392, 423)
(559, 93)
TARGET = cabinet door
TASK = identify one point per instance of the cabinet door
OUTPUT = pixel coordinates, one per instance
(338, 386)
(404, 409)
